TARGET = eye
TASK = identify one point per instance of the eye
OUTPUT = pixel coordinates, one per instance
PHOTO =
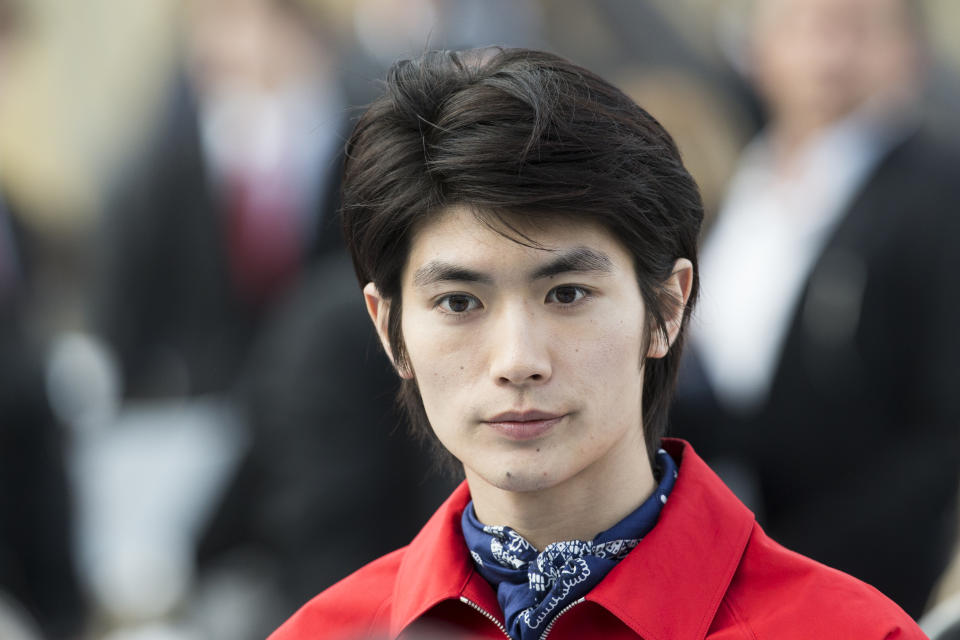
(566, 294)
(457, 303)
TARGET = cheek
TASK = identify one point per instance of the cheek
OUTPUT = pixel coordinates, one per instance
(440, 360)
(608, 356)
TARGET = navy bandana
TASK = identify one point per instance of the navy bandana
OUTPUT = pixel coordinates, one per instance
(533, 587)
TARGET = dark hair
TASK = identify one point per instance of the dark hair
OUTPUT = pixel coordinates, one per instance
(515, 132)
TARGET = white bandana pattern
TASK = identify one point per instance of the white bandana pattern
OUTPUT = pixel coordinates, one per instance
(557, 560)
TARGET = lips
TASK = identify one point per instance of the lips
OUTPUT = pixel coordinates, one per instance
(524, 425)
(531, 415)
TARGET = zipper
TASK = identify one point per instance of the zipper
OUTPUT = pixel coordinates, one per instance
(489, 616)
(557, 617)
(492, 618)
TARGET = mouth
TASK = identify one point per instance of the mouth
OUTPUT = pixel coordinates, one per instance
(524, 425)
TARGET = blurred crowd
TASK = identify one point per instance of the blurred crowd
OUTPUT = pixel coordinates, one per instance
(197, 426)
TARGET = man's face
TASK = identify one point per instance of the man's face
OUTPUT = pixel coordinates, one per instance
(529, 361)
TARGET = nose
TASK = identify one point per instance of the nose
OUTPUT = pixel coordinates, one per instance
(521, 354)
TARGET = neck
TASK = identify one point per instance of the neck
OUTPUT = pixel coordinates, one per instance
(791, 132)
(576, 509)
(789, 136)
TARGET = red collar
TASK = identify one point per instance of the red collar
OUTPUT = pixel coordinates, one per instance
(686, 562)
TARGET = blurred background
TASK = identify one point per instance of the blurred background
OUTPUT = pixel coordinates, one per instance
(197, 430)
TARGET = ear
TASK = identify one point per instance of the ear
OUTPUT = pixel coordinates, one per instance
(379, 309)
(677, 287)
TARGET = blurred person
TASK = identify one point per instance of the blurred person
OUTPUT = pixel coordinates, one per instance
(38, 583)
(825, 352)
(526, 240)
(228, 204)
(232, 199)
(36, 559)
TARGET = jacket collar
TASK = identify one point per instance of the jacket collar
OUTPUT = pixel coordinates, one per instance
(686, 562)
(436, 566)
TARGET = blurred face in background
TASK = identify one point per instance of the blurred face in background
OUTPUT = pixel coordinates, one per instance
(249, 45)
(260, 70)
(815, 61)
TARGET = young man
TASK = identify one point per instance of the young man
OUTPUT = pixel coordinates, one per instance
(527, 239)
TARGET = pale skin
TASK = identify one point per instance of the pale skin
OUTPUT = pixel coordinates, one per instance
(817, 61)
(529, 362)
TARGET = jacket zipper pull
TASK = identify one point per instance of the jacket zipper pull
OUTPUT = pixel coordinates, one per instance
(489, 616)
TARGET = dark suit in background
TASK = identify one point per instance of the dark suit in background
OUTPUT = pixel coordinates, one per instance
(36, 560)
(166, 299)
(856, 449)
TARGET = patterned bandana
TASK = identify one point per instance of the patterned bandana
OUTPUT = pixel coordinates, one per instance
(533, 587)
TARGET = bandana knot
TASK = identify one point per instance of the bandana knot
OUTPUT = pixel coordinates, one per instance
(533, 587)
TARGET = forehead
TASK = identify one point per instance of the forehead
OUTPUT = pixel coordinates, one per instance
(460, 235)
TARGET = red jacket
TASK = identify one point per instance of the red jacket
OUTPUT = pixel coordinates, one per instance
(707, 570)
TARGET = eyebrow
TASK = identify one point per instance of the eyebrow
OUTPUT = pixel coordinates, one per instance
(576, 259)
(440, 271)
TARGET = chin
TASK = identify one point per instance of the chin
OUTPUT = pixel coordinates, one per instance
(519, 478)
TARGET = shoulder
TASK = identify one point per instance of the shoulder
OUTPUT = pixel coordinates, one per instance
(920, 169)
(365, 595)
(777, 593)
